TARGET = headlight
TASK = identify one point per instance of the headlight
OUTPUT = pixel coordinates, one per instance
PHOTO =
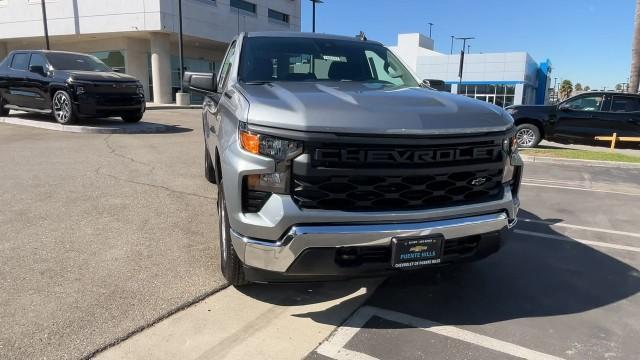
(510, 145)
(510, 111)
(270, 146)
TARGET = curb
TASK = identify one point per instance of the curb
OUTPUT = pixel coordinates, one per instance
(565, 161)
(138, 128)
(172, 107)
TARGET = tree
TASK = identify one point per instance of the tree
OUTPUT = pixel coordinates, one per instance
(566, 88)
(618, 87)
(635, 53)
(587, 88)
(578, 87)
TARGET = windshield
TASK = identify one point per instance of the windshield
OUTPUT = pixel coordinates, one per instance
(307, 59)
(63, 61)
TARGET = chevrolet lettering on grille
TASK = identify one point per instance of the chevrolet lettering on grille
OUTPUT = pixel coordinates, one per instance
(406, 155)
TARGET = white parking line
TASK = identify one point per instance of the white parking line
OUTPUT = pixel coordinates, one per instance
(586, 242)
(551, 223)
(581, 189)
(334, 346)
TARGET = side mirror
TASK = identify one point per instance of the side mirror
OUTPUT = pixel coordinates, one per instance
(200, 82)
(38, 69)
(564, 107)
(433, 84)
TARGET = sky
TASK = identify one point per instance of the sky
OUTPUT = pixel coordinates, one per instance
(587, 41)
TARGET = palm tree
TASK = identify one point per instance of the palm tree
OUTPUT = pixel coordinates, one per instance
(566, 88)
(635, 53)
(578, 87)
(587, 88)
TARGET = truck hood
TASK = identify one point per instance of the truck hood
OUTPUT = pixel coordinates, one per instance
(99, 76)
(368, 108)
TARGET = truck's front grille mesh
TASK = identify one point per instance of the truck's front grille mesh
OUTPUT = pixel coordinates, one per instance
(371, 193)
(392, 177)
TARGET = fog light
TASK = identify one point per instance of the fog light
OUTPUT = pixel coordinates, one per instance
(273, 182)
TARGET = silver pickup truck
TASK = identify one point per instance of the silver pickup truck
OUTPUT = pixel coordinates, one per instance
(333, 160)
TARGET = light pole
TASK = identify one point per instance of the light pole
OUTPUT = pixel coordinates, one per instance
(464, 44)
(452, 38)
(44, 21)
(430, 26)
(180, 45)
(314, 12)
(555, 93)
(468, 49)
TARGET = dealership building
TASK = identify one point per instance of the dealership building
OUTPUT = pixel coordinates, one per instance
(510, 78)
(140, 37)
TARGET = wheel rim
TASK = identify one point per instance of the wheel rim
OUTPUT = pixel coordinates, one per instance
(61, 108)
(222, 213)
(526, 137)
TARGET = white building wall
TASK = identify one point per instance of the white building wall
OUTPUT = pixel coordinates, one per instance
(207, 19)
(130, 26)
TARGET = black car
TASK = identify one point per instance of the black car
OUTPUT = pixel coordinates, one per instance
(578, 119)
(68, 86)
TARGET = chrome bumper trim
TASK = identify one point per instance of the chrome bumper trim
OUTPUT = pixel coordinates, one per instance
(279, 255)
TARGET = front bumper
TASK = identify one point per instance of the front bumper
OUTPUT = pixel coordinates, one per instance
(280, 256)
(90, 105)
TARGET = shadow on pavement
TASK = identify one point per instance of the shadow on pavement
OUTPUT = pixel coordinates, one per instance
(528, 277)
(116, 124)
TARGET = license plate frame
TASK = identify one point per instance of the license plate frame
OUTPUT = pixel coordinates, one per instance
(416, 251)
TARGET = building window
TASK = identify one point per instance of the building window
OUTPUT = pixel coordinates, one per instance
(277, 15)
(244, 5)
(113, 59)
(499, 94)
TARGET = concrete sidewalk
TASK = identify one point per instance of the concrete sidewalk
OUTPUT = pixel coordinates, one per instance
(603, 148)
(154, 106)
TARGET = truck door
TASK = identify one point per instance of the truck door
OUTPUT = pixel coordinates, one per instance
(16, 77)
(37, 83)
(581, 118)
(624, 115)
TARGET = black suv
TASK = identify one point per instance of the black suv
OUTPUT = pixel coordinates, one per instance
(578, 119)
(68, 86)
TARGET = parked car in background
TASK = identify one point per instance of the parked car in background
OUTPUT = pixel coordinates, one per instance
(333, 161)
(68, 86)
(578, 119)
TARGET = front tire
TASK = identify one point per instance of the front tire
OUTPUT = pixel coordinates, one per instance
(62, 108)
(230, 264)
(527, 135)
(132, 118)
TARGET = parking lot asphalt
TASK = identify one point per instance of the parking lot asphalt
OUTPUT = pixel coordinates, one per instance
(101, 234)
(564, 286)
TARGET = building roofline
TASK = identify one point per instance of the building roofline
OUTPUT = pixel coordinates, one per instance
(297, 34)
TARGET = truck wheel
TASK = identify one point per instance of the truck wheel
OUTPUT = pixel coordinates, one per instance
(528, 135)
(3, 111)
(209, 170)
(230, 264)
(62, 108)
(131, 118)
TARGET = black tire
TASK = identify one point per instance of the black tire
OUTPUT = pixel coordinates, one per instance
(528, 135)
(3, 111)
(230, 264)
(131, 118)
(209, 169)
(62, 108)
